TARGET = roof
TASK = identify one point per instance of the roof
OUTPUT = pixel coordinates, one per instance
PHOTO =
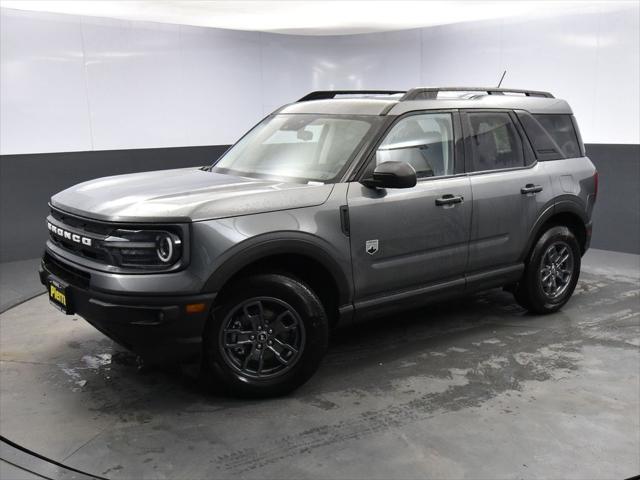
(381, 102)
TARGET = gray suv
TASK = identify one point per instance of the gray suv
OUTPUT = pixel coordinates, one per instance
(339, 207)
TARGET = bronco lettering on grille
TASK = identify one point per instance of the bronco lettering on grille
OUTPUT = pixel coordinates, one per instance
(74, 237)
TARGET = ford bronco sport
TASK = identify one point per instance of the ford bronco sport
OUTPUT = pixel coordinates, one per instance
(329, 211)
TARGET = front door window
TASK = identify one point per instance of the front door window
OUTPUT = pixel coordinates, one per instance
(424, 141)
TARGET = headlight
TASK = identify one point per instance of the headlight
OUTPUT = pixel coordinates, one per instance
(143, 248)
(164, 248)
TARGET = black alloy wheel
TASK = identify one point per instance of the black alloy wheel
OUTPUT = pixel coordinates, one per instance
(267, 335)
(551, 271)
(262, 337)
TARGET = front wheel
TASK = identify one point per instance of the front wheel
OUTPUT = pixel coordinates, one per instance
(551, 273)
(267, 337)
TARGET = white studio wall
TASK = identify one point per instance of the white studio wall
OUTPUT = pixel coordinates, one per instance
(43, 96)
(73, 83)
(293, 66)
(590, 58)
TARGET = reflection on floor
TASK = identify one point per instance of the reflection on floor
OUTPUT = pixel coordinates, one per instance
(473, 388)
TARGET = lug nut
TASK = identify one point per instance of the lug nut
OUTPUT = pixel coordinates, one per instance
(269, 343)
(252, 337)
(271, 330)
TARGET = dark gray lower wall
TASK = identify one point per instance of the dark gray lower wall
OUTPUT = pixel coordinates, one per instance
(28, 181)
(616, 218)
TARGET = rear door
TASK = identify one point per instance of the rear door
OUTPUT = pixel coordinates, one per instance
(402, 239)
(509, 188)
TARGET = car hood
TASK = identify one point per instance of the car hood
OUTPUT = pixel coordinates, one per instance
(186, 194)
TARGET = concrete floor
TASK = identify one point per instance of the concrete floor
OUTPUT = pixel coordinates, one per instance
(475, 388)
(19, 282)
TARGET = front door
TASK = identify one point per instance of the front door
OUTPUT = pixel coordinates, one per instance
(404, 239)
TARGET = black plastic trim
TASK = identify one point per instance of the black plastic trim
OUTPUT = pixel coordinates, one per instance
(275, 244)
(329, 94)
(344, 220)
(567, 204)
(431, 93)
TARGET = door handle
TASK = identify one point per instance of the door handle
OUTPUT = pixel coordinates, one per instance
(449, 199)
(530, 188)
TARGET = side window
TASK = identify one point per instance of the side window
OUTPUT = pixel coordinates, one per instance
(560, 127)
(495, 142)
(543, 144)
(424, 141)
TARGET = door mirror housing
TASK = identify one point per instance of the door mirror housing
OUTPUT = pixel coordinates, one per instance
(392, 175)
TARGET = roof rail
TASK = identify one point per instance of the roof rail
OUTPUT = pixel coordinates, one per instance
(327, 94)
(431, 93)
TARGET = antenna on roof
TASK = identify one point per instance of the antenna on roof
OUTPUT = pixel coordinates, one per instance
(501, 78)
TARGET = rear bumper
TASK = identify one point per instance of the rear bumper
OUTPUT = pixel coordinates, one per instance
(158, 328)
(588, 232)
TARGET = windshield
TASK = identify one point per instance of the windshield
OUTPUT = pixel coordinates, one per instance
(299, 147)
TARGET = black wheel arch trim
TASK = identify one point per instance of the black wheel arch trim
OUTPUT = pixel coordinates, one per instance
(563, 204)
(292, 243)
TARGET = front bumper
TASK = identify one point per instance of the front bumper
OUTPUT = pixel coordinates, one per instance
(158, 328)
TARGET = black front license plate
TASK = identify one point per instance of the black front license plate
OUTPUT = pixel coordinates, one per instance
(59, 295)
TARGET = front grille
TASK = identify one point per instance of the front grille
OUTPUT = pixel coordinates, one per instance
(97, 231)
(119, 247)
(93, 254)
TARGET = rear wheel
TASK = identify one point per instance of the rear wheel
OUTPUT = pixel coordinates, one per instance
(551, 273)
(267, 337)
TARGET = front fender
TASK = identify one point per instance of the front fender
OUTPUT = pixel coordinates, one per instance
(289, 242)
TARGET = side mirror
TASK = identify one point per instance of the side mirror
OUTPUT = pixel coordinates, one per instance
(392, 175)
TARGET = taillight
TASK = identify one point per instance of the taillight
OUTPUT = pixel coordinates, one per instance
(595, 184)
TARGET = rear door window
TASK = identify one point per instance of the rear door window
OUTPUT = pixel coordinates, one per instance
(495, 141)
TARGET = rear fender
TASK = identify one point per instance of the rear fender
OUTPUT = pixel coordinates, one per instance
(570, 204)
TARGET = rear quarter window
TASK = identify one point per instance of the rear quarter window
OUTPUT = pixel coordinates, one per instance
(563, 132)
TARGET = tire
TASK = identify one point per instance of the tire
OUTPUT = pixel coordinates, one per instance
(545, 288)
(267, 337)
